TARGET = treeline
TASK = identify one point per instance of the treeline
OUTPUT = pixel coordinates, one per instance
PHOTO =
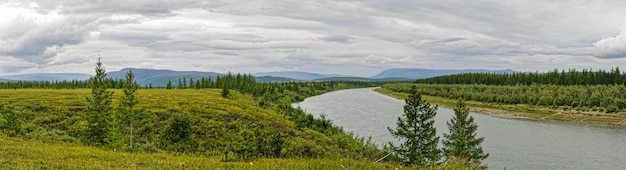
(604, 98)
(64, 84)
(554, 77)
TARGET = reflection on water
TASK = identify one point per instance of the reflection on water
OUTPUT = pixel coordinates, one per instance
(512, 143)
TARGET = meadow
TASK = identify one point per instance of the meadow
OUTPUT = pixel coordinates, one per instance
(225, 133)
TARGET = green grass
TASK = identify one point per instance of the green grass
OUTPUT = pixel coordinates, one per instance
(523, 110)
(53, 122)
(16, 153)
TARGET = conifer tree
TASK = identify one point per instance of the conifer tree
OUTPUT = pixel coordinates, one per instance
(114, 138)
(416, 132)
(99, 108)
(128, 103)
(169, 85)
(461, 142)
(12, 120)
(225, 92)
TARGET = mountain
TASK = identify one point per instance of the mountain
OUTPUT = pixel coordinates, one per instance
(159, 78)
(416, 73)
(297, 75)
(266, 79)
(47, 77)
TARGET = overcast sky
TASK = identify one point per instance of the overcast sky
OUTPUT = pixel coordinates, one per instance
(324, 36)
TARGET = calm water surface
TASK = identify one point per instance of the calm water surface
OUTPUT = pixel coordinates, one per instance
(512, 143)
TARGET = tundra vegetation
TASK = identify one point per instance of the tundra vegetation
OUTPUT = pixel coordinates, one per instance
(229, 122)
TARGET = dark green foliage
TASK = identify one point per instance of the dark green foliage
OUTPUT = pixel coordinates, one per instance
(461, 142)
(609, 97)
(276, 145)
(169, 85)
(417, 133)
(99, 108)
(225, 92)
(13, 120)
(179, 128)
(114, 136)
(554, 77)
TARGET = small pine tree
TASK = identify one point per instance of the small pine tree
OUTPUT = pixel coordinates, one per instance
(417, 133)
(225, 92)
(114, 137)
(13, 120)
(169, 85)
(461, 142)
(128, 102)
(99, 108)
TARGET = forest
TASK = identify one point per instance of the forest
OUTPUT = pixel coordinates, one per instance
(554, 77)
(598, 91)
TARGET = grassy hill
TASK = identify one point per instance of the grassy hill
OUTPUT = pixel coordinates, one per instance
(229, 129)
(223, 133)
(217, 124)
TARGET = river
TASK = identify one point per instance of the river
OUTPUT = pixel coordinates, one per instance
(512, 143)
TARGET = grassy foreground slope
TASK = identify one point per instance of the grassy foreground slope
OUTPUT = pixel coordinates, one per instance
(53, 121)
(17, 153)
(219, 126)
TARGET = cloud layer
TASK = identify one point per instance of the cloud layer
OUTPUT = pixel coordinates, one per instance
(327, 36)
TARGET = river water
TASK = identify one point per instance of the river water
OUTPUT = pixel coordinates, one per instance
(512, 143)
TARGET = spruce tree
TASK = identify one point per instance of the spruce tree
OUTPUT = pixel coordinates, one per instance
(169, 85)
(225, 92)
(462, 143)
(416, 132)
(99, 108)
(128, 103)
(12, 120)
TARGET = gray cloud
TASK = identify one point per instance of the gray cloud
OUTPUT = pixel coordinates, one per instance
(326, 36)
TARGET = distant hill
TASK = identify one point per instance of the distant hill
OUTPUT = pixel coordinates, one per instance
(4, 80)
(159, 78)
(47, 77)
(416, 73)
(297, 75)
(266, 79)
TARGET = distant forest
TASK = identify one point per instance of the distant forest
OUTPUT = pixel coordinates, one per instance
(554, 77)
(584, 90)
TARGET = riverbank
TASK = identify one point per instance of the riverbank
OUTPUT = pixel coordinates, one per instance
(524, 111)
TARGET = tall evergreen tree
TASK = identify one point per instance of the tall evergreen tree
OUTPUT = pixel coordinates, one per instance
(416, 132)
(128, 103)
(461, 142)
(99, 108)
